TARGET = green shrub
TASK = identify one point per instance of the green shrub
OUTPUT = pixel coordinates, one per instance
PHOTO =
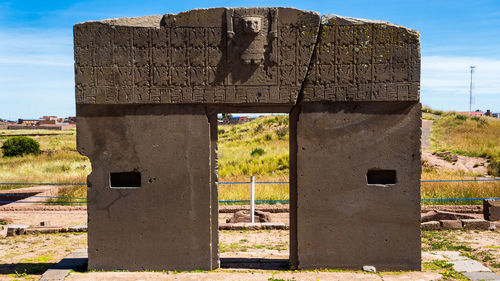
(282, 132)
(257, 152)
(461, 117)
(19, 146)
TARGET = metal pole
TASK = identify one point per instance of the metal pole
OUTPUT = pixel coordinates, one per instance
(252, 199)
(470, 90)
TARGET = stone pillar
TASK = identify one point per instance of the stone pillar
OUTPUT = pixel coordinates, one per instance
(149, 195)
(358, 185)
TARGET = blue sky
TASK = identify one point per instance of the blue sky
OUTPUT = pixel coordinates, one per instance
(36, 46)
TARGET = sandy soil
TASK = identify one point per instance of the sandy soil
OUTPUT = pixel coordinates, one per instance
(56, 218)
(255, 275)
(34, 253)
(254, 244)
(486, 245)
(28, 256)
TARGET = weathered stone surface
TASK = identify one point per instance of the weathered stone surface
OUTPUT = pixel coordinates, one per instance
(430, 225)
(363, 60)
(491, 209)
(451, 224)
(244, 216)
(208, 56)
(169, 146)
(443, 215)
(336, 145)
(475, 224)
(200, 56)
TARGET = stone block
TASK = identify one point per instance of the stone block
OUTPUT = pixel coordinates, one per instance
(430, 225)
(491, 209)
(451, 224)
(475, 224)
(16, 229)
(161, 183)
(335, 152)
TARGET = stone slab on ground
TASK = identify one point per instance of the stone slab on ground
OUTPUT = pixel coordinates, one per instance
(451, 224)
(476, 276)
(475, 224)
(430, 225)
(252, 226)
(16, 229)
(78, 228)
(469, 266)
(451, 255)
(73, 261)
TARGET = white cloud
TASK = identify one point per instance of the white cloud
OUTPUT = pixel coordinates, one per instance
(445, 82)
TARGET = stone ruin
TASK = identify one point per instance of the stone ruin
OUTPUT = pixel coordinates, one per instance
(148, 91)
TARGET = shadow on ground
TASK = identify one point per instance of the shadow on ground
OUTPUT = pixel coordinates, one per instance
(25, 268)
(253, 263)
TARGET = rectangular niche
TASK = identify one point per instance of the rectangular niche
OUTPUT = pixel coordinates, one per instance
(381, 177)
(125, 180)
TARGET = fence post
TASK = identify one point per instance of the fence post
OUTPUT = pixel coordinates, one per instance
(252, 199)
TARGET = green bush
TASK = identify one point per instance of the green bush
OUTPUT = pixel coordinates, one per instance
(257, 152)
(19, 146)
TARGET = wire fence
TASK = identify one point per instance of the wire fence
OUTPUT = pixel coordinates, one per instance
(223, 201)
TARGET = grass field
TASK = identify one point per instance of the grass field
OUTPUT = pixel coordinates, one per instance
(260, 148)
(59, 162)
(470, 136)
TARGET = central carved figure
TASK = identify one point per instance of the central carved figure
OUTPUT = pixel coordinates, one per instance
(148, 91)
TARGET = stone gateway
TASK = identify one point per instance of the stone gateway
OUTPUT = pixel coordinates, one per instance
(148, 91)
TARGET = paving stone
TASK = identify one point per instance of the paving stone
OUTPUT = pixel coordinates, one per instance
(481, 276)
(469, 266)
(430, 225)
(451, 224)
(76, 259)
(476, 224)
(451, 255)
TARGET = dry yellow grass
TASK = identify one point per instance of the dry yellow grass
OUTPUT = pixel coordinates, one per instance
(59, 162)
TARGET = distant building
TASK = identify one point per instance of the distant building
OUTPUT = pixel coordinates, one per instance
(44, 123)
(473, 113)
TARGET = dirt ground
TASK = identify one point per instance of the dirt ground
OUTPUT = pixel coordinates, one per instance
(28, 256)
(62, 218)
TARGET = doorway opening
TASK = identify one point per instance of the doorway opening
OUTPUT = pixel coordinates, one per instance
(253, 149)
